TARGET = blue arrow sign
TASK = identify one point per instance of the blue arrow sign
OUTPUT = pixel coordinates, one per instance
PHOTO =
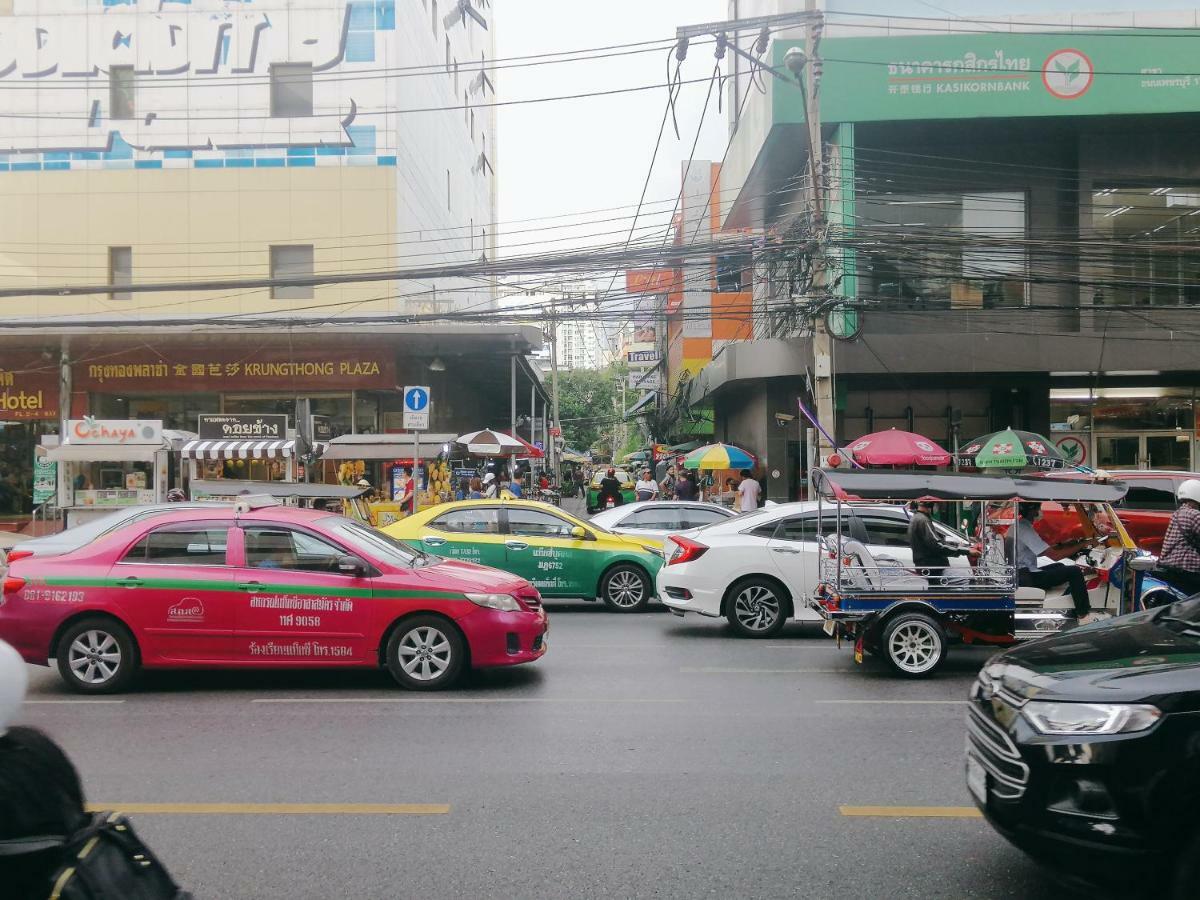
(416, 399)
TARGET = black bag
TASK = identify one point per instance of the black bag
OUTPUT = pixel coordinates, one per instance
(106, 860)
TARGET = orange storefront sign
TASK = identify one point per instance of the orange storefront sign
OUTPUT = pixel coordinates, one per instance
(28, 390)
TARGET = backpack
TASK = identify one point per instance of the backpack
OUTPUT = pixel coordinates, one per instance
(106, 860)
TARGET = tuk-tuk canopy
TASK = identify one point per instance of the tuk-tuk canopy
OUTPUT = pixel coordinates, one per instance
(946, 486)
(283, 490)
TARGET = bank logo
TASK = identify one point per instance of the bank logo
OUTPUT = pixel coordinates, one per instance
(189, 609)
(1068, 74)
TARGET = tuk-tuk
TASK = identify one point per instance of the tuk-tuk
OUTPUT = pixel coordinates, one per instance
(909, 616)
(346, 501)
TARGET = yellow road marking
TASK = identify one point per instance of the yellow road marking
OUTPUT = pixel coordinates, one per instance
(276, 809)
(912, 812)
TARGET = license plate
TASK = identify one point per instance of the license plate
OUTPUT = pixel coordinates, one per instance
(828, 627)
(977, 779)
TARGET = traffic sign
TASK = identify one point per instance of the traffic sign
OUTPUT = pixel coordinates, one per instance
(416, 408)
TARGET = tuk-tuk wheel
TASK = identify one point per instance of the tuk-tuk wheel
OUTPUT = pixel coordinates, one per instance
(914, 644)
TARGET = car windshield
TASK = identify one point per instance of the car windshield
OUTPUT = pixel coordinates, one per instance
(376, 543)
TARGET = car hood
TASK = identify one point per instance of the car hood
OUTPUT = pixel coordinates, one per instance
(456, 575)
(1133, 659)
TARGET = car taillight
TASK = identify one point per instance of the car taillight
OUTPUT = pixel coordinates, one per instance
(685, 550)
(14, 555)
(12, 584)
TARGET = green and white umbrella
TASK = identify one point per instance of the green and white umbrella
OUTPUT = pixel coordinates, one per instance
(1011, 450)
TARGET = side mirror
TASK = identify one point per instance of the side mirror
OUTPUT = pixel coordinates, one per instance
(352, 565)
(579, 533)
(1144, 563)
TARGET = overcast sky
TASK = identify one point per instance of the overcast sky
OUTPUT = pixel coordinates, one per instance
(579, 155)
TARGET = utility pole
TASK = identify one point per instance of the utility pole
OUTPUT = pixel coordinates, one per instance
(553, 444)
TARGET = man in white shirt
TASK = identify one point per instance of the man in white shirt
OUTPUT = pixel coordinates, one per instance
(1024, 545)
(748, 491)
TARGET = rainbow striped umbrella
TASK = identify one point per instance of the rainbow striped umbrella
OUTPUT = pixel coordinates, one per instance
(718, 456)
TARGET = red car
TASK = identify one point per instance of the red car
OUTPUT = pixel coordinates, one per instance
(1145, 512)
(263, 586)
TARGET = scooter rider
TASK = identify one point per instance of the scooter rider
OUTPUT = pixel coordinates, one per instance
(1179, 564)
(610, 489)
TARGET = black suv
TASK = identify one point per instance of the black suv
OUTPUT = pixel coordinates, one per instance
(1083, 749)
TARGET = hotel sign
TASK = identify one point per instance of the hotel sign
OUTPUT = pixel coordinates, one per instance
(28, 391)
(1001, 75)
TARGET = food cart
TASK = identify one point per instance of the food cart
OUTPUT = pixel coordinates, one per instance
(381, 455)
(109, 463)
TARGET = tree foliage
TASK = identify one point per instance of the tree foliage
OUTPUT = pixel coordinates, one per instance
(588, 404)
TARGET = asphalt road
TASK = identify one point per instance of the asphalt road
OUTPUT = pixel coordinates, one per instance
(644, 756)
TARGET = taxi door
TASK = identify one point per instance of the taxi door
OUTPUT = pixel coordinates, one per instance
(296, 608)
(470, 533)
(539, 547)
(174, 585)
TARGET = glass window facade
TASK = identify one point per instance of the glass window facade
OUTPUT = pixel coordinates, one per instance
(1126, 427)
(1151, 260)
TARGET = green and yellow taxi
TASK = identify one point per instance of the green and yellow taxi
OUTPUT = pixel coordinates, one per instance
(593, 494)
(561, 555)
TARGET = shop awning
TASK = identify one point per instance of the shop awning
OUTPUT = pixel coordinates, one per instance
(104, 452)
(385, 446)
(237, 449)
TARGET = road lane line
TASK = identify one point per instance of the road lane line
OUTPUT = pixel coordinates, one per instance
(284, 700)
(712, 670)
(73, 702)
(912, 812)
(894, 702)
(275, 809)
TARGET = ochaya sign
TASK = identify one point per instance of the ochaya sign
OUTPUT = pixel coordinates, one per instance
(1001, 75)
(114, 431)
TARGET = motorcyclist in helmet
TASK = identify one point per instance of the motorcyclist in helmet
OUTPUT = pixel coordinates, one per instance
(610, 489)
(1179, 564)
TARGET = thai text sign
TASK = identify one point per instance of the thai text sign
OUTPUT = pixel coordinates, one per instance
(235, 369)
(1002, 75)
(242, 427)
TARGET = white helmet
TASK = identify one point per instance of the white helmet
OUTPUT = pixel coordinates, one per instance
(489, 477)
(1189, 490)
(13, 680)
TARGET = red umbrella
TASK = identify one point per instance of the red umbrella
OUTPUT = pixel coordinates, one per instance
(531, 452)
(897, 448)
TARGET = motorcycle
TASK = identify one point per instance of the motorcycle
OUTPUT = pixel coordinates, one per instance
(1152, 591)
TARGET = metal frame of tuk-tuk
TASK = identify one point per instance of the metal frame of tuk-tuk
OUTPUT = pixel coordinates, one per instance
(354, 505)
(978, 605)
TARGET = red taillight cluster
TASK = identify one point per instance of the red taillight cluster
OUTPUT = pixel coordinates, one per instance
(14, 555)
(685, 550)
(12, 584)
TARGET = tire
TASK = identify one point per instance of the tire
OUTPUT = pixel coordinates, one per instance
(625, 589)
(97, 655)
(426, 653)
(1185, 874)
(757, 608)
(914, 644)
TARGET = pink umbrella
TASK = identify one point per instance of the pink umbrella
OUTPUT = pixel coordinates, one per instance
(897, 448)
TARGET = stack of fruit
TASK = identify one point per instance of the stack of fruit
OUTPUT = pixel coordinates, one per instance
(440, 488)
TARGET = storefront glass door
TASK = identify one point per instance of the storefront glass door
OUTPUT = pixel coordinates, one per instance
(1172, 450)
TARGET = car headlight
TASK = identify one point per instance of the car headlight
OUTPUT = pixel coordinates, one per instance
(506, 602)
(1049, 717)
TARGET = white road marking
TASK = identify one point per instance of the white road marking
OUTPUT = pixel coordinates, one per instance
(468, 700)
(72, 702)
(895, 702)
(723, 671)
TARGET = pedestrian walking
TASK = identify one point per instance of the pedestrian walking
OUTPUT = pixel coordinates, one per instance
(685, 487)
(667, 485)
(646, 488)
(748, 492)
(489, 486)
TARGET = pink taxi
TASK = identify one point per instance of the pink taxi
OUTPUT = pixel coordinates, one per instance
(261, 585)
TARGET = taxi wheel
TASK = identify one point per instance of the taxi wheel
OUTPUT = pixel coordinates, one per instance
(914, 644)
(97, 656)
(425, 653)
(625, 589)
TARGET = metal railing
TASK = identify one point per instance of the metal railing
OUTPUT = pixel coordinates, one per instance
(848, 573)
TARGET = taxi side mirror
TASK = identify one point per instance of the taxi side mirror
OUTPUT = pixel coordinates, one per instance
(352, 565)
(581, 534)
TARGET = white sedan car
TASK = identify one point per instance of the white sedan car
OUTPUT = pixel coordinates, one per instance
(658, 518)
(759, 570)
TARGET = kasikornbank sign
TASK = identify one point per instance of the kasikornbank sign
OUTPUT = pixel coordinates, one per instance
(1002, 75)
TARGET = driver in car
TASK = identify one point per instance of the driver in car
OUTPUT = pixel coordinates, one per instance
(1023, 547)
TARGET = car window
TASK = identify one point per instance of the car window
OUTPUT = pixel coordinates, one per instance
(660, 518)
(621, 475)
(273, 547)
(535, 523)
(471, 520)
(765, 531)
(1144, 494)
(698, 518)
(885, 531)
(386, 548)
(180, 547)
(804, 527)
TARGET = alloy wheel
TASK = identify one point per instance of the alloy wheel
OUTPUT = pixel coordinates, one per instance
(626, 589)
(94, 657)
(756, 608)
(914, 647)
(425, 653)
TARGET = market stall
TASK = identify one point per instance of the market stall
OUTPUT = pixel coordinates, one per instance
(384, 461)
(107, 463)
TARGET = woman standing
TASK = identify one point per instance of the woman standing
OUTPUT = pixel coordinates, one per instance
(646, 487)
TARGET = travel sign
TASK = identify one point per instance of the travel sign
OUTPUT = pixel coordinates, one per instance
(1002, 75)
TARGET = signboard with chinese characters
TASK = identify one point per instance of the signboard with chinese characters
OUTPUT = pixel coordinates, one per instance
(237, 369)
(1001, 75)
(114, 431)
(242, 427)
